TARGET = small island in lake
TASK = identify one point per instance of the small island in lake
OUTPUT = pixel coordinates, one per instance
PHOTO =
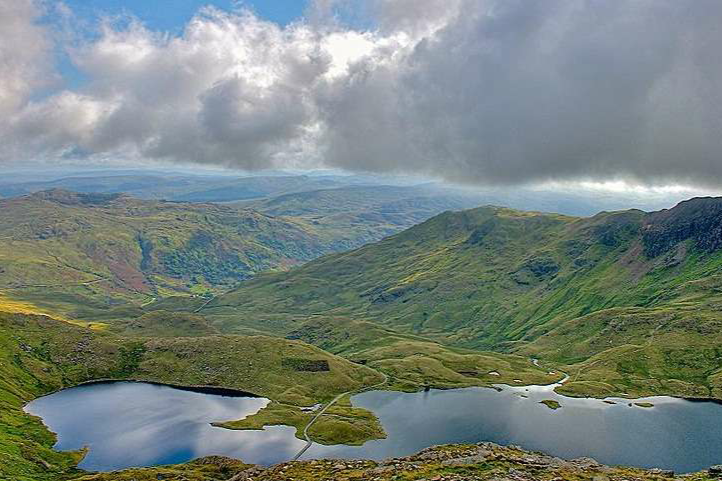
(551, 403)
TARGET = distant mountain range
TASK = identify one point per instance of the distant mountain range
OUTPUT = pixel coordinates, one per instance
(173, 186)
(213, 186)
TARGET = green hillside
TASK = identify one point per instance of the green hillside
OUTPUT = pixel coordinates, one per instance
(93, 256)
(39, 355)
(510, 281)
(86, 253)
(625, 303)
(357, 215)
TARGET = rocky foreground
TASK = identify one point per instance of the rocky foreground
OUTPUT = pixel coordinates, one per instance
(476, 462)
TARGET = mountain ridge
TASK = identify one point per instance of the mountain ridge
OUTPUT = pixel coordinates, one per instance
(500, 279)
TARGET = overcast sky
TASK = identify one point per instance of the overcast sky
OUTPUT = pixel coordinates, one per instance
(477, 91)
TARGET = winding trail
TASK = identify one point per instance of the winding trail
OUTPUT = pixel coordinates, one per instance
(562, 381)
(309, 443)
(205, 304)
(323, 410)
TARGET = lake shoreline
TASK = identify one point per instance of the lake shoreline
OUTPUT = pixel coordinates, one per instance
(513, 406)
(197, 388)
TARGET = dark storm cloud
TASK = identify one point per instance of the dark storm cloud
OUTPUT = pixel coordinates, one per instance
(474, 91)
(516, 91)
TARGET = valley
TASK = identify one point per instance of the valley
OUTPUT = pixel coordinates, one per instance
(95, 255)
(622, 302)
(380, 240)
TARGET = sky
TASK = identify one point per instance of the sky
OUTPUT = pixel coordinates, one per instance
(163, 15)
(172, 15)
(481, 92)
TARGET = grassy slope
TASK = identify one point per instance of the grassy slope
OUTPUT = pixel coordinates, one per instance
(86, 253)
(357, 215)
(512, 281)
(639, 351)
(102, 255)
(39, 355)
(413, 362)
(427, 280)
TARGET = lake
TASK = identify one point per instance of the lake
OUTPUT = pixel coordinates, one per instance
(138, 424)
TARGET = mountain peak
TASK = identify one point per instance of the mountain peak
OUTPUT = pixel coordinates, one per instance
(698, 219)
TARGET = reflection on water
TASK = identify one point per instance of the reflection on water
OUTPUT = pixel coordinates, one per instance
(135, 424)
(674, 434)
(138, 424)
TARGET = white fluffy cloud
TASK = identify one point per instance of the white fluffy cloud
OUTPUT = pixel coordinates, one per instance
(24, 54)
(483, 91)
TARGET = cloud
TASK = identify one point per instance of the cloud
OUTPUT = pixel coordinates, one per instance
(477, 91)
(25, 53)
(512, 91)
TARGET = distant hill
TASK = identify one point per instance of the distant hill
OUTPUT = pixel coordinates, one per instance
(287, 189)
(367, 212)
(173, 186)
(628, 299)
(95, 251)
(90, 252)
(248, 188)
(386, 200)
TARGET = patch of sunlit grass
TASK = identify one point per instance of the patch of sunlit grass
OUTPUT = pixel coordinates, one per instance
(22, 307)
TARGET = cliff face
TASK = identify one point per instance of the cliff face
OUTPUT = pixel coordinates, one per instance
(698, 219)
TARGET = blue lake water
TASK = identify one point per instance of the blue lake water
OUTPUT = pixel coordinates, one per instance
(138, 424)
